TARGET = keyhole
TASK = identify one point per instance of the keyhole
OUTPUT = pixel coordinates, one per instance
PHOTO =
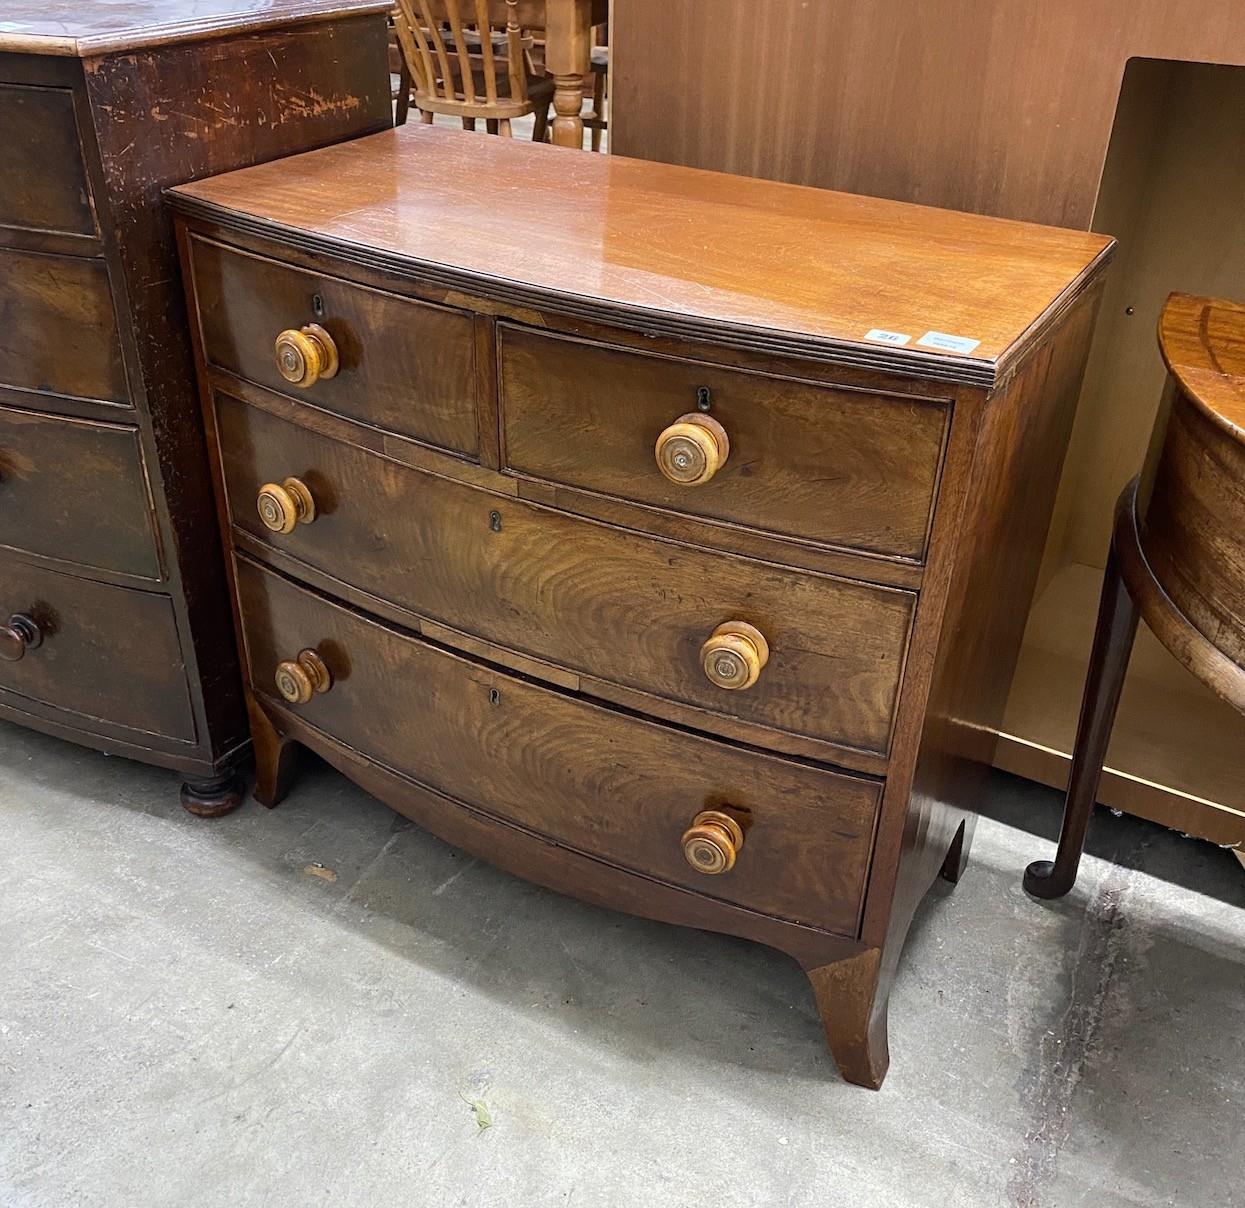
(494, 521)
(494, 697)
(703, 398)
(317, 306)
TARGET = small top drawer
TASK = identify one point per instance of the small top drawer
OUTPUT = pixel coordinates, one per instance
(43, 186)
(402, 365)
(830, 466)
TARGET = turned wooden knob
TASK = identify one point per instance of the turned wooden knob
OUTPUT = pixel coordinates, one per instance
(712, 842)
(693, 449)
(306, 355)
(734, 655)
(301, 678)
(18, 636)
(281, 506)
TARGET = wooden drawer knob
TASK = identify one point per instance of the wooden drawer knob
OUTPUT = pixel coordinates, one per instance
(299, 679)
(712, 842)
(734, 655)
(284, 505)
(306, 355)
(692, 449)
(18, 636)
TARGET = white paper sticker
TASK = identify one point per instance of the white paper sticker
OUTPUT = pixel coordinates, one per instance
(887, 337)
(946, 343)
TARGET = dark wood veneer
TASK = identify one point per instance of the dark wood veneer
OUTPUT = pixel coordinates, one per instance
(503, 649)
(103, 472)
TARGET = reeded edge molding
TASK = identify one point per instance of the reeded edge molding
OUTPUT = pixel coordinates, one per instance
(158, 34)
(911, 363)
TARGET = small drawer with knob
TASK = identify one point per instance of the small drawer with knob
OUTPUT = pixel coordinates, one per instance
(393, 362)
(92, 655)
(835, 467)
(783, 837)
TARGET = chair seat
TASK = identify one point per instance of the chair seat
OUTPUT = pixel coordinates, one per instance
(539, 94)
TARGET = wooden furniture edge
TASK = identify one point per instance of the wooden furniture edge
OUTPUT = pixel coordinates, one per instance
(201, 30)
(964, 371)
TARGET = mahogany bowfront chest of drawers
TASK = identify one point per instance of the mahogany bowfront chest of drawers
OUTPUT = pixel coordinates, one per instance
(114, 613)
(664, 537)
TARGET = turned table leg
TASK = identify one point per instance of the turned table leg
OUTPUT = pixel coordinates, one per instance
(568, 58)
(852, 1004)
(1108, 661)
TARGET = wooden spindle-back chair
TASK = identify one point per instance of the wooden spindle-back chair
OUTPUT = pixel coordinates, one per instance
(462, 64)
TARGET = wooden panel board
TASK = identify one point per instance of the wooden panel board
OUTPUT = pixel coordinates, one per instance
(1002, 109)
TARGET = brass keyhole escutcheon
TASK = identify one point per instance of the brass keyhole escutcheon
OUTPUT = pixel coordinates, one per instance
(299, 679)
(284, 505)
(734, 655)
(692, 449)
(306, 355)
(713, 842)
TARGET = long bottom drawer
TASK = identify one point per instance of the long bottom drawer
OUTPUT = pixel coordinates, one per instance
(611, 784)
(100, 653)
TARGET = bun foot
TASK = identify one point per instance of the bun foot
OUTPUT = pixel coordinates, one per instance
(213, 797)
(1043, 881)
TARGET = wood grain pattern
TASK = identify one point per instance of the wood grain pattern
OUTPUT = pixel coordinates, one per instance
(59, 330)
(1177, 557)
(71, 27)
(608, 602)
(828, 466)
(74, 490)
(405, 365)
(498, 745)
(44, 185)
(614, 787)
(690, 252)
(1004, 112)
(93, 320)
(109, 654)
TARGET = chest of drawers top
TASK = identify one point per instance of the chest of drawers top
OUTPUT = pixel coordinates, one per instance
(84, 28)
(662, 536)
(771, 267)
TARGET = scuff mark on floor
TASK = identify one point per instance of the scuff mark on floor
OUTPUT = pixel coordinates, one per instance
(1065, 1048)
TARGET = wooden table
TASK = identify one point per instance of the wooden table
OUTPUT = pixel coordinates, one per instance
(568, 26)
(1177, 557)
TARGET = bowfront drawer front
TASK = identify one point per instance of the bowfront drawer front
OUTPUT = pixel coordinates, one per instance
(834, 467)
(402, 365)
(43, 186)
(813, 655)
(75, 490)
(94, 650)
(626, 790)
(59, 334)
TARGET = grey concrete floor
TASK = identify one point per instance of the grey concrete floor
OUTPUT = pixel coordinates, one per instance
(188, 1016)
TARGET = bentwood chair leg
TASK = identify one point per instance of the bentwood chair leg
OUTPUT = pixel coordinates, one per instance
(1113, 643)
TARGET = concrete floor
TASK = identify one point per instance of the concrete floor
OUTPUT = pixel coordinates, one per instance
(189, 1016)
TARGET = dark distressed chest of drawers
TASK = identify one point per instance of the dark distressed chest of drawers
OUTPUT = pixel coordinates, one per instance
(114, 614)
(664, 537)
